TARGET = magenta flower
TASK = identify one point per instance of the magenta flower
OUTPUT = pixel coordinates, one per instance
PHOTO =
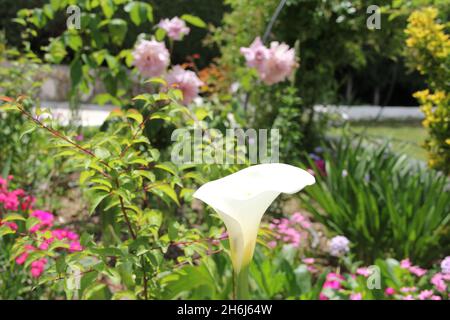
(333, 281)
(46, 220)
(22, 258)
(37, 267)
(151, 58)
(75, 246)
(389, 291)
(405, 263)
(185, 80)
(175, 28)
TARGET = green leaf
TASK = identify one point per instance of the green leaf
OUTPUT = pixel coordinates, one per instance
(108, 8)
(167, 167)
(168, 190)
(194, 20)
(118, 30)
(13, 217)
(76, 72)
(96, 200)
(8, 107)
(27, 127)
(31, 222)
(5, 230)
(86, 175)
(135, 116)
(139, 12)
(160, 34)
(102, 153)
(157, 80)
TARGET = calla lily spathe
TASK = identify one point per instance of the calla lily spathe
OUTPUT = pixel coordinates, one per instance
(241, 199)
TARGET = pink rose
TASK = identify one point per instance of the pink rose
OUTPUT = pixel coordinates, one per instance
(185, 80)
(151, 58)
(256, 55)
(280, 64)
(175, 28)
(273, 64)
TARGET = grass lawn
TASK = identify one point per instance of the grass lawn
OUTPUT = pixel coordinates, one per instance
(406, 137)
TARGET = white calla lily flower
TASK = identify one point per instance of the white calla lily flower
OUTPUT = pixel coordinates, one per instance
(241, 199)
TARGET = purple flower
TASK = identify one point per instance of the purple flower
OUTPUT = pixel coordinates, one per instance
(445, 265)
(339, 246)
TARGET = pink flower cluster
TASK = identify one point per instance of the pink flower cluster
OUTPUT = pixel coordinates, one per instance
(152, 58)
(439, 281)
(14, 200)
(273, 64)
(290, 231)
(175, 28)
(406, 264)
(42, 233)
(44, 237)
(185, 80)
(333, 281)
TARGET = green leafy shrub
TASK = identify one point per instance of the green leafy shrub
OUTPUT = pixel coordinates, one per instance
(384, 204)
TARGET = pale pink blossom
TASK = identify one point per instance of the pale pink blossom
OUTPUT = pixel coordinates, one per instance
(151, 58)
(408, 289)
(439, 283)
(308, 260)
(363, 271)
(425, 294)
(273, 64)
(185, 80)
(175, 28)
(280, 64)
(417, 271)
(256, 55)
(356, 296)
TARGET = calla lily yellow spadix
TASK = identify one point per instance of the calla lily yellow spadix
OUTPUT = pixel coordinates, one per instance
(241, 199)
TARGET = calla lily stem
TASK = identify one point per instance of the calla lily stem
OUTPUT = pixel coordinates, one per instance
(242, 290)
